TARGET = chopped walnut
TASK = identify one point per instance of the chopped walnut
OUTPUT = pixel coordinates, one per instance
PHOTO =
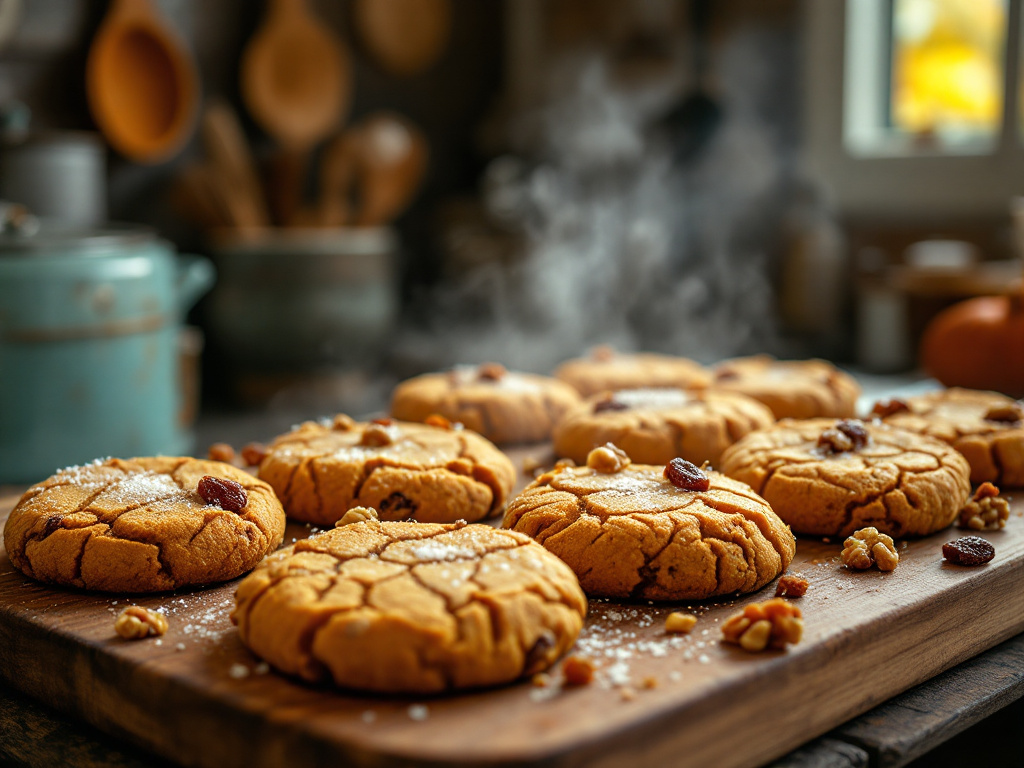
(565, 464)
(491, 372)
(578, 670)
(221, 452)
(357, 515)
(680, 623)
(771, 624)
(868, 547)
(607, 459)
(791, 586)
(885, 408)
(343, 422)
(136, 622)
(846, 435)
(253, 454)
(378, 435)
(986, 511)
(1007, 413)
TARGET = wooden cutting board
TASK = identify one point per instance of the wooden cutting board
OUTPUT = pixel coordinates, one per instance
(199, 697)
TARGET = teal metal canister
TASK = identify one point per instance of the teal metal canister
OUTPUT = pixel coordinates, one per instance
(89, 323)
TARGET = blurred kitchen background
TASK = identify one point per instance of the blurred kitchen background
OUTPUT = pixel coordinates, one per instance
(385, 187)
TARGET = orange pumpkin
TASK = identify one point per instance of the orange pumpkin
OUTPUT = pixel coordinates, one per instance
(978, 343)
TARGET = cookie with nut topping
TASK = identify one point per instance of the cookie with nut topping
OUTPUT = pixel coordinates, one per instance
(144, 525)
(830, 477)
(986, 427)
(434, 473)
(670, 532)
(504, 406)
(793, 389)
(606, 370)
(654, 426)
(411, 607)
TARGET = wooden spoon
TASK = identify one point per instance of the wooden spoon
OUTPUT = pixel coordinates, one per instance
(392, 164)
(296, 76)
(406, 37)
(232, 161)
(141, 83)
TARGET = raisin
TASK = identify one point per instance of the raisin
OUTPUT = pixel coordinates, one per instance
(395, 505)
(226, 494)
(254, 453)
(854, 429)
(609, 404)
(537, 656)
(384, 422)
(686, 476)
(221, 452)
(885, 408)
(52, 524)
(491, 372)
(970, 550)
(1009, 413)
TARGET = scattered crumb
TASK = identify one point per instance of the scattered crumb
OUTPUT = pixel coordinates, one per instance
(628, 694)
(649, 682)
(680, 622)
(578, 670)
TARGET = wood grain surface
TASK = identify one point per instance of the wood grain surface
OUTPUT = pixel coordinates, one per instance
(198, 697)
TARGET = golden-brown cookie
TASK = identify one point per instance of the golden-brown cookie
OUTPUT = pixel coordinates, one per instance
(433, 474)
(627, 531)
(140, 525)
(654, 426)
(411, 607)
(793, 389)
(824, 478)
(608, 370)
(502, 406)
(986, 427)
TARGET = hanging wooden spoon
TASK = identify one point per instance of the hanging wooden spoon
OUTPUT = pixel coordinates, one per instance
(232, 162)
(405, 37)
(141, 83)
(297, 84)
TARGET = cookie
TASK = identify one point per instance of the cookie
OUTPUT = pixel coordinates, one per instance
(830, 478)
(654, 426)
(607, 370)
(502, 406)
(411, 607)
(140, 525)
(433, 474)
(793, 389)
(986, 427)
(628, 532)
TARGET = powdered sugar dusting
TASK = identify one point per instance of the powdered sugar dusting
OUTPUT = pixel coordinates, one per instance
(655, 399)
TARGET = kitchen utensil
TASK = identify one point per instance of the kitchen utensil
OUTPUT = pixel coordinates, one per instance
(692, 122)
(392, 162)
(89, 325)
(61, 174)
(141, 83)
(231, 161)
(405, 37)
(296, 76)
(194, 195)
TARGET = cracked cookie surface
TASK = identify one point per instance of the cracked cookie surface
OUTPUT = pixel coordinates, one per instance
(510, 408)
(411, 607)
(427, 473)
(993, 448)
(793, 389)
(901, 483)
(607, 370)
(653, 426)
(633, 534)
(139, 525)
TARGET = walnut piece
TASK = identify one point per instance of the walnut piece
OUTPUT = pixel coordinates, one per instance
(357, 515)
(221, 452)
(846, 435)
(491, 372)
(986, 511)
(253, 454)
(885, 408)
(578, 670)
(343, 422)
(607, 459)
(680, 623)
(771, 624)
(1008, 413)
(791, 586)
(377, 435)
(868, 547)
(136, 622)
